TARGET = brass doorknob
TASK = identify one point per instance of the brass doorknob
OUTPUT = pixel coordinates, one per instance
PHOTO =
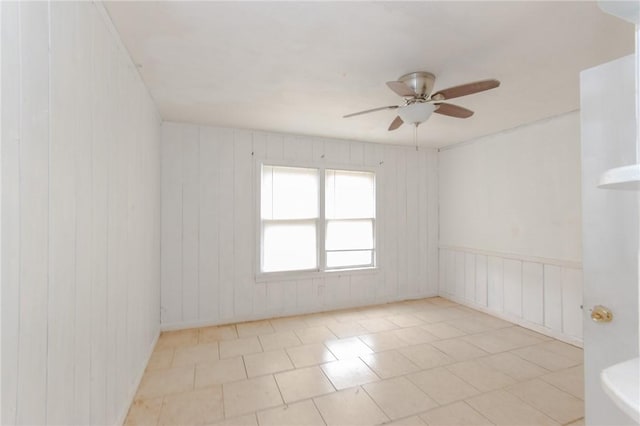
(601, 314)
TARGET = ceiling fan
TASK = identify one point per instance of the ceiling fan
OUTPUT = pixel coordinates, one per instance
(419, 103)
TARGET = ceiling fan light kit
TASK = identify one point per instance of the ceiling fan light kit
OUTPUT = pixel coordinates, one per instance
(416, 113)
(419, 103)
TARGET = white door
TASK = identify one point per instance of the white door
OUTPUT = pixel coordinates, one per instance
(610, 229)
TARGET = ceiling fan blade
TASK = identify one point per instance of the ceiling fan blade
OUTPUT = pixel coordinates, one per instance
(397, 122)
(453, 110)
(465, 89)
(370, 110)
(400, 88)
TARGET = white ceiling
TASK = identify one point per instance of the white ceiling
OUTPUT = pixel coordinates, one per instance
(298, 67)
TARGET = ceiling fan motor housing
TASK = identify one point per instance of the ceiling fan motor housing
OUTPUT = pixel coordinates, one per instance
(421, 82)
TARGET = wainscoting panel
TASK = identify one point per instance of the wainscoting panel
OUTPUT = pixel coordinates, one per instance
(542, 294)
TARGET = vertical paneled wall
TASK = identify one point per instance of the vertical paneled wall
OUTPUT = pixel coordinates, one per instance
(80, 217)
(510, 228)
(209, 222)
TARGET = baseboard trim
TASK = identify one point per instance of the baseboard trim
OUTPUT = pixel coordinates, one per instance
(518, 321)
(301, 311)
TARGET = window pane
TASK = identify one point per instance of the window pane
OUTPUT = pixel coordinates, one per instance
(289, 246)
(349, 194)
(337, 259)
(349, 234)
(289, 193)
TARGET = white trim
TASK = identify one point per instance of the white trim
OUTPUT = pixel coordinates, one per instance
(264, 277)
(517, 320)
(304, 311)
(136, 383)
(573, 264)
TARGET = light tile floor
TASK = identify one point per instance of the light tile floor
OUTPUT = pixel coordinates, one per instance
(421, 362)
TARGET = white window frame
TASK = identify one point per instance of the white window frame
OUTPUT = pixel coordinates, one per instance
(321, 227)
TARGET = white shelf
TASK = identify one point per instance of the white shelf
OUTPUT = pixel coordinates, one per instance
(627, 178)
(622, 383)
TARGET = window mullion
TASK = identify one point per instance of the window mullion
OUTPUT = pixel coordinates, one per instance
(322, 227)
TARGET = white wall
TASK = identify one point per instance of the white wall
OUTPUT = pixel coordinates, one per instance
(510, 225)
(209, 220)
(80, 217)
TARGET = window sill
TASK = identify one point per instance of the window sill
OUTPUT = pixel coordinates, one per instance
(304, 275)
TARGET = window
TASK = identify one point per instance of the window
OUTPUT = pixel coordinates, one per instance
(298, 234)
(350, 214)
(290, 214)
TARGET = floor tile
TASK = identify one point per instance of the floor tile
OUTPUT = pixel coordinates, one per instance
(192, 408)
(489, 342)
(389, 364)
(459, 349)
(513, 366)
(218, 372)
(233, 348)
(406, 320)
(432, 316)
(347, 329)
(579, 422)
(426, 351)
(399, 397)
(415, 335)
(144, 412)
(374, 325)
(348, 348)
(443, 330)
(165, 382)
(558, 405)
(570, 380)
(408, 421)
(267, 363)
(303, 383)
(246, 420)
(250, 395)
(217, 333)
(503, 408)
(503, 339)
(426, 356)
(315, 334)
(349, 315)
(302, 413)
(172, 339)
(349, 407)
(566, 350)
(279, 340)
(442, 385)
(379, 311)
(306, 355)
(480, 376)
(160, 359)
(254, 328)
(478, 323)
(348, 373)
(319, 319)
(540, 355)
(288, 323)
(195, 354)
(383, 341)
(456, 414)
(441, 301)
